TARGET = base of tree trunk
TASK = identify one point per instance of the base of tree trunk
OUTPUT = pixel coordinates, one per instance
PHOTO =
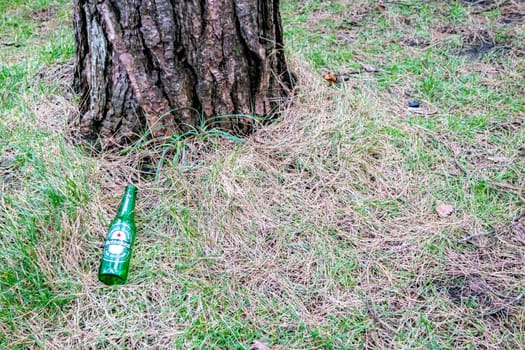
(164, 67)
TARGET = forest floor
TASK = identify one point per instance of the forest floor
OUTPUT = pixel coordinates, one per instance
(354, 221)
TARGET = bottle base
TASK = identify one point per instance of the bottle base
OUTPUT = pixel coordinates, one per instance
(111, 279)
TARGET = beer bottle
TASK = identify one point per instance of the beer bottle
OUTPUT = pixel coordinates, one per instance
(117, 248)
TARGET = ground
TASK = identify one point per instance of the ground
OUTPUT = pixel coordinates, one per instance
(353, 221)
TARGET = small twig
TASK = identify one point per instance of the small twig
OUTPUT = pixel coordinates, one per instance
(493, 232)
(481, 234)
(378, 319)
(503, 307)
(451, 150)
(519, 217)
(9, 43)
(510, 189)
(489, 8)
(459, 165)
(406, 3)
(371, 308)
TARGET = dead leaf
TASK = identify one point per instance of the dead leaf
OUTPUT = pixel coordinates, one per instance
(381, 7)
(369, 68)
(333, 78)
(259, 345)
(330, 77)
(478, 287)
(445, 210)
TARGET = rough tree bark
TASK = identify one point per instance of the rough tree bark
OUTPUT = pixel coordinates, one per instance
(168, 64)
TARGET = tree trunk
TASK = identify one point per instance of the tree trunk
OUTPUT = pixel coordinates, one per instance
(172, 65)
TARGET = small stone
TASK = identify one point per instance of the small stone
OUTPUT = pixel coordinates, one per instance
(445, 210)
(259, 345)
(413, 104)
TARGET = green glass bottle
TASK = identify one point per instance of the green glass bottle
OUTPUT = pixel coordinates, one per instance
(119, 241)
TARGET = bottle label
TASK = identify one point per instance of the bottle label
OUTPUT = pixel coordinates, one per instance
(118, 243)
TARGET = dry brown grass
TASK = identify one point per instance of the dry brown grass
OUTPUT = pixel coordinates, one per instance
(314, 218)
(319, 231)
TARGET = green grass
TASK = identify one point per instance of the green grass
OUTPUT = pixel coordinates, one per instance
(318, 232)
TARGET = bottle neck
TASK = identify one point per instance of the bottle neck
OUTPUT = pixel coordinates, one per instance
(127, 205)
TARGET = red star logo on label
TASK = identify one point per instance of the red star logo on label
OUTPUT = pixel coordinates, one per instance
(119, 235)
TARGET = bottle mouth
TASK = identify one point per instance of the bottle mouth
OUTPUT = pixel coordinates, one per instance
(111, 279)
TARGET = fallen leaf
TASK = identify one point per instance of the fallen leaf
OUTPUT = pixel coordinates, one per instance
(259, 345)
(331, 77)
(478, 287)
(369, 68)
(445, 210)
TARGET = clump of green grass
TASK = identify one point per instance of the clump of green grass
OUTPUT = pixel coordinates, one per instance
(318, 231)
